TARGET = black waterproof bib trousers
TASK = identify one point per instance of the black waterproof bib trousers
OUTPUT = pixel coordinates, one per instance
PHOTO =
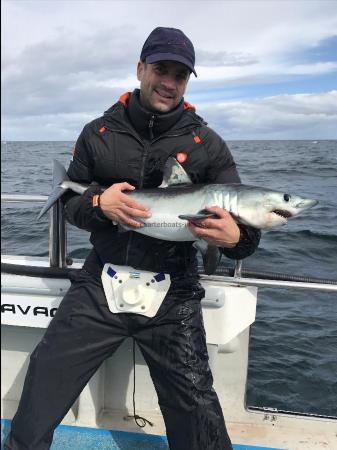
(84, 333)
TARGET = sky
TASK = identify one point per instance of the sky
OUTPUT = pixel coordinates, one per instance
(266, 69)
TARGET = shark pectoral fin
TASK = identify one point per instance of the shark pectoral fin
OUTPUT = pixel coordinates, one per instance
(202, 214)
(198, 216)
(211, 255)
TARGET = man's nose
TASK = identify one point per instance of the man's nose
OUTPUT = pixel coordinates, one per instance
(168, 82)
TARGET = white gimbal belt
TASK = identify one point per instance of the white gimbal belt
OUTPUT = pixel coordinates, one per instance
(128, 290)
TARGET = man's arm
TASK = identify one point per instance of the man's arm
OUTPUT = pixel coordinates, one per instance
(79, 209)
(89, 212)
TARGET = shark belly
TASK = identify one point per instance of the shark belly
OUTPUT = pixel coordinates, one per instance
(165, 206)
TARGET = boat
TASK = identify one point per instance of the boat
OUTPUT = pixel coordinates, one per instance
(103, 415)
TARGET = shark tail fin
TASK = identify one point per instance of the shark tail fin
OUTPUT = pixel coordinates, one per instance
(59, 176)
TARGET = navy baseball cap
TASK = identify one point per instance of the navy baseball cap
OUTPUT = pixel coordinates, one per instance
(168, 44)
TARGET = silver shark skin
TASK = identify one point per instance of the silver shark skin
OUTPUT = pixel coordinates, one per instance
(172, 207)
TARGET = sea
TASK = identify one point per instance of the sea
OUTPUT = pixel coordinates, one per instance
(293, 345)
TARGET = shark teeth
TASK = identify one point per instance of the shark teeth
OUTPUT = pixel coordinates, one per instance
(282, 213)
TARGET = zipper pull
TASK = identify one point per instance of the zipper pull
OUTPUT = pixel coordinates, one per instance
(151, 122)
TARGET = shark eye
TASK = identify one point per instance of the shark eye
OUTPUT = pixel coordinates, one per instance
(286, 197)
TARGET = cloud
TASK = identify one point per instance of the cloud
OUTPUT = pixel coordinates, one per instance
(73, 77)
(222, 58)
(63, 61)
(257, 72)
(103, 51)
(299, 116)
(47, 127)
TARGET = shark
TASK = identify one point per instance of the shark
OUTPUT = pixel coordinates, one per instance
(178, 201)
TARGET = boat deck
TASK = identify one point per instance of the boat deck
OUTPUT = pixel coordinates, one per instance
(82, 438)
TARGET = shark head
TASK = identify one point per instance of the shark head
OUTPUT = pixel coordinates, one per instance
(264, 208)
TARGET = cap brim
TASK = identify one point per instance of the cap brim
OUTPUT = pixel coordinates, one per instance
(169, 57)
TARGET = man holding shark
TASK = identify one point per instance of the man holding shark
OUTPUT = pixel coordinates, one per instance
(127, 149)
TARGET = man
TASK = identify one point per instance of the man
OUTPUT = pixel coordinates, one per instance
(127, 149)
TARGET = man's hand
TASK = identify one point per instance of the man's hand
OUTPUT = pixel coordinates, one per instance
(120, 207)
(221, 232)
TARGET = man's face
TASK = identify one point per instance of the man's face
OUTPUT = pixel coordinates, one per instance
(162, 84)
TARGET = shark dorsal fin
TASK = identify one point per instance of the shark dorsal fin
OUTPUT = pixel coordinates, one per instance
(174, 174)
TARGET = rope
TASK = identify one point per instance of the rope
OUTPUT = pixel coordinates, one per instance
(140, 421)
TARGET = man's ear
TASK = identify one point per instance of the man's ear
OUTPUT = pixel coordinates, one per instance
(140, 70)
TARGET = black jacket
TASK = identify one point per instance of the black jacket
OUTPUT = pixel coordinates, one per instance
(131, 144)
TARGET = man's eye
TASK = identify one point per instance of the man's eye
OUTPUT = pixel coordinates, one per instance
(159, 70)
(181, 76)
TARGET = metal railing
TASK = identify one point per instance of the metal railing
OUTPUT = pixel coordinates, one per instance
(57, 226)
(58, 252)
(242, 281)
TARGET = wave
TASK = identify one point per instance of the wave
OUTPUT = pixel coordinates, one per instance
(305, 234)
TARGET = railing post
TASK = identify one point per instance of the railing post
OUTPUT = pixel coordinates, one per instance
(54, 254)
(62, 235)
(238, 268)
(57, 236)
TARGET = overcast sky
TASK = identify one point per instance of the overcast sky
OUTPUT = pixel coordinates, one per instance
(266, 69)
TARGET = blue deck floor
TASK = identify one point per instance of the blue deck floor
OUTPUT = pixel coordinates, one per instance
(80, 438)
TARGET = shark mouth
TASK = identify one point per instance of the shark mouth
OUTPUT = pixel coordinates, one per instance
(282, 213)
